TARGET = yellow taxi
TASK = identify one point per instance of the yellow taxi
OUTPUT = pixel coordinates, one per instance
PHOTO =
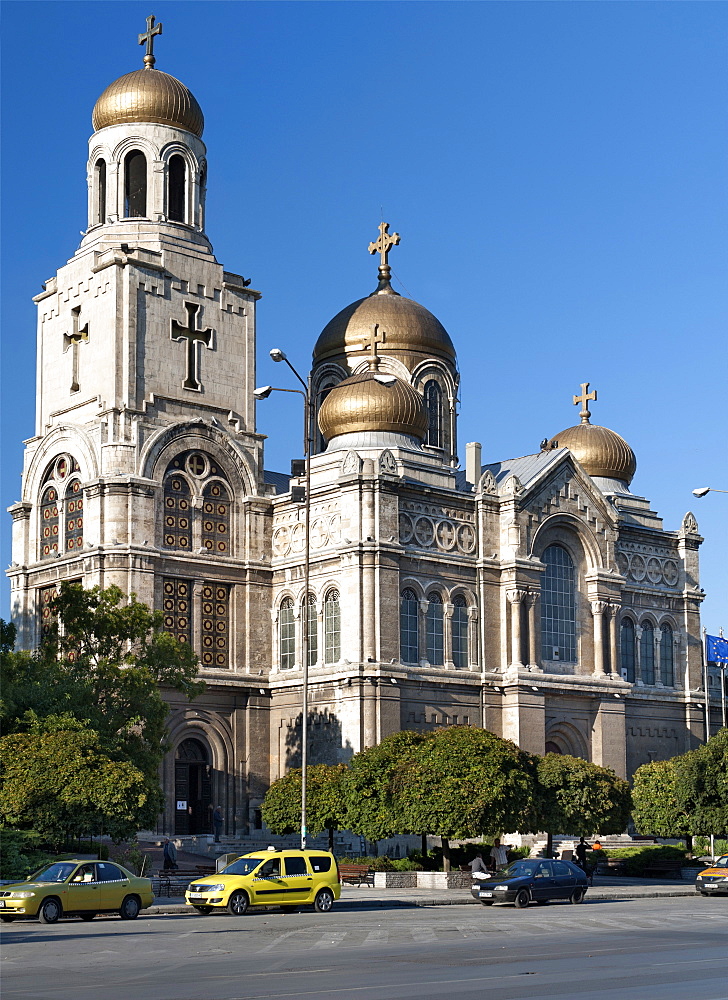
(283, 878)
(713, 881)
(76, 888)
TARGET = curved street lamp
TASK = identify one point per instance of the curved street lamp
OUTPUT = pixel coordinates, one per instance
(702, 490)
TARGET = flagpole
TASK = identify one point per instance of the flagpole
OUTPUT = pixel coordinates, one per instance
(704, 658)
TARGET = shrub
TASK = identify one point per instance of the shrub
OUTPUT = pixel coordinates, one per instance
(637, 859)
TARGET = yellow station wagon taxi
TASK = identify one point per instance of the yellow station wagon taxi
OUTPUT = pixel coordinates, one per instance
(713, 881)
(76, 888)
(269, 878)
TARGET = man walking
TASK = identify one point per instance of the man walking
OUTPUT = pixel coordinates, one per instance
(498, 855)
(169, 852)
(218, 821)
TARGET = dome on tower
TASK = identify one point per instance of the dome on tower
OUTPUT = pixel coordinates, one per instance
(601, 451)
(373, 401)
(148, 95)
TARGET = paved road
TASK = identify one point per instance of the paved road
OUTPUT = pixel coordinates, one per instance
(666, 949)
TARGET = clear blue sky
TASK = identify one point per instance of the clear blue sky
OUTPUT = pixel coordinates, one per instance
(557, 172)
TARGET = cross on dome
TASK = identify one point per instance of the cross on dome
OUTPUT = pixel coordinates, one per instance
(148, 37)
(584, 399)
(371, 343)
(382, 245)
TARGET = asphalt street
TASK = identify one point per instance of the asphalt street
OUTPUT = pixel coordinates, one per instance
(653, 949)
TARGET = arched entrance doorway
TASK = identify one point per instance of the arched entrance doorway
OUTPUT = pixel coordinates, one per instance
(192, 788)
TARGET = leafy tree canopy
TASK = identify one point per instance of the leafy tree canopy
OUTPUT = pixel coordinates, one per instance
(325, 809)
(575, 795)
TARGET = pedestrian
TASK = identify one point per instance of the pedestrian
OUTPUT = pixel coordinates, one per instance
(498, 855)
(218, 821)
(169, 852)
(580, 853)
(477, 864)
(596, 846)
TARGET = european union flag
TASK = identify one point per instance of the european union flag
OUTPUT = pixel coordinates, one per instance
(716, 649)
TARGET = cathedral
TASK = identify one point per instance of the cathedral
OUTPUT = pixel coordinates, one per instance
(537, 596)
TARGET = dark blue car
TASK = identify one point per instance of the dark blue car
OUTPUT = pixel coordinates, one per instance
(531, 879)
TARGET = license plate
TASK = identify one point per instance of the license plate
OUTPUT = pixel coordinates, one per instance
(485, 895)
(708, 886)
(2, 903)
(196, 895)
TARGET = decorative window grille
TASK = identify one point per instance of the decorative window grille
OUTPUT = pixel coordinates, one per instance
(49, 523)
(47, 615)
(558, 605)
(332, 627)
(177, 608)
(216, 519)
(434, 630)
(460, 632)
(287, 634)
(177, 514)
(74, 516)
(433, 405)
(667, 662)
(312, 630)
(215, 619)
(627, 637)
(647, 653)
(409, 645)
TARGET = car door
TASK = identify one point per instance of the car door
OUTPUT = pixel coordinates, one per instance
(298, 880)
(542, 886)
(82, 891)
(113, 885)
(564, 880)
(268, 888)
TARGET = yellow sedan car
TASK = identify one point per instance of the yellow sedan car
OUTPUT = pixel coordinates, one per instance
(76, 888)
(269, 878)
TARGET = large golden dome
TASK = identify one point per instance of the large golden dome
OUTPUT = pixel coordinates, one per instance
(600, 451)
(373, 401)
(148, 95)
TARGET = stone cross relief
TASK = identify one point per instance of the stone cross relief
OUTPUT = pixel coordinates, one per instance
(193, 336)
(72, 340)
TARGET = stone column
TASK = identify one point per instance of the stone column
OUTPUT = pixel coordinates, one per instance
(615, 666)
(598, 610)
(515, 598)
(657, 635)
(447, 612)
(473, 637)
(531, 601)
(637, 654)
(422, 633)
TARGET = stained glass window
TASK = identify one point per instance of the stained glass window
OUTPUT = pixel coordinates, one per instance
(558, 606)
(409, 644)
(47, 615)
(216, 519)
(177, 608)
(177, 514)
(74, 516)
(49, 523)
(215, 625)
(287, 634)
(647, 653)
(628, 649)
(312, 630)
(332, 628)
(433, 405)
(460, 632)
(434, 630)
(667, 664)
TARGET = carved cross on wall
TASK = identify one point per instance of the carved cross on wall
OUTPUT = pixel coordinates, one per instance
(193, 337)
(72, 340)
(584, 399)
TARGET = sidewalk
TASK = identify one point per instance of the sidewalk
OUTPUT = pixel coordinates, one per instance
(353, 898)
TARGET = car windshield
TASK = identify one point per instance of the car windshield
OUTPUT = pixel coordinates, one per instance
(57, 872)
(243, 866)
(518, 868)
(722, 862)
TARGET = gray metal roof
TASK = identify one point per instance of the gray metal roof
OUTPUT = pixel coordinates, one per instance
(278, 479)
(527, 468)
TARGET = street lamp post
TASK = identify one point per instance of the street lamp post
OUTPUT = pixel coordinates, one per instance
(263, 393)
(702, 490)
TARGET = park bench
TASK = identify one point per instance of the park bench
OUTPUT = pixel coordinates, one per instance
(356, 874)
(668, 866)
(612, 866)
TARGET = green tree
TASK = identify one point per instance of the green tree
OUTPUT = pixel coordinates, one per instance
(325, 809)
(659, 806)
(702, 784)
(465, 782)
(577, 796)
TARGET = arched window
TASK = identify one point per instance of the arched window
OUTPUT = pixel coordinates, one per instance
(312, 630)
(49, 523)
(627, 648)
(177, 607)
(101, 190)
(647, 653)
(176, 189)
(558, 606)
(177, 514)
(74, 517)
(287, 634)
(667, 663)
(332, 628)
(434, 630)
(216, 519)
(135, 185)
(460, 632)
(215, 620)
(203, 195)
(409, 646)
(433, 405)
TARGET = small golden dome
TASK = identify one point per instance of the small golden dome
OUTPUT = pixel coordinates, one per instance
(373, 401)
(600, 451)
(407, 326)
(148, 95)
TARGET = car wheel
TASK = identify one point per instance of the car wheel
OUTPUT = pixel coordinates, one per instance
(238, 904)
(7, 920)
(699, 890)
(49, 911)
(522, 899)
(290, 909)
(203, 909)
(486, 902)
(129, 909)
(87, 916)
(577, 896)
(324, 901)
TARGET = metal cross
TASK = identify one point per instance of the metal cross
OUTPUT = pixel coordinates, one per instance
(72, 340)
(192, 336)
(371, 343)
(384, 244)
(584, 400)
(148, 37)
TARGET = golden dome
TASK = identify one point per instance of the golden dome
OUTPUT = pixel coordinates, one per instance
(600, 451)
(407, 326)
(373, 401)
(148, 95)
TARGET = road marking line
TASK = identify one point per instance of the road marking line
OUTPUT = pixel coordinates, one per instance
(376, 937)
(277, 941)
(423, 935)
(331, 939)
